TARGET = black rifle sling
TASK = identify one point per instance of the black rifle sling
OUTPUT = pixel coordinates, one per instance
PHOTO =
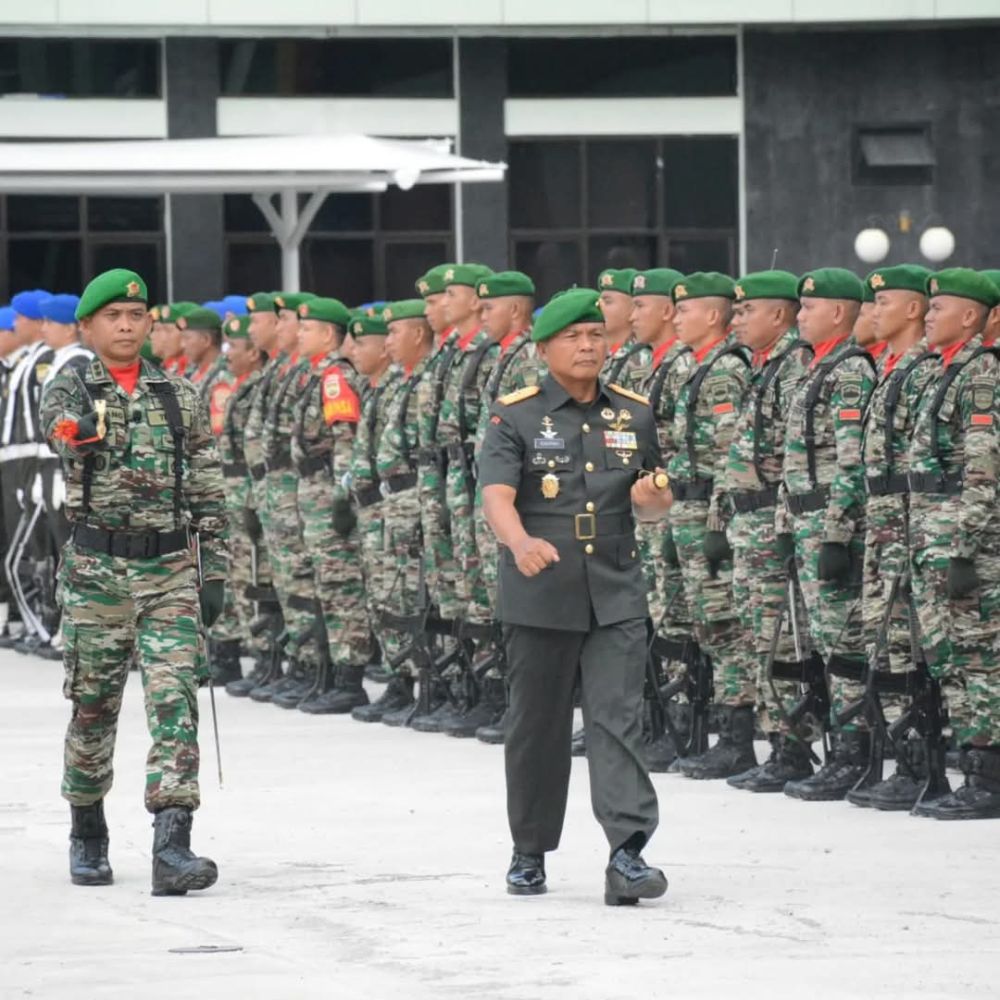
(770, 373)
(897, 379)
(694, 392)
(468, 381)
(167, 395)
(951, 373)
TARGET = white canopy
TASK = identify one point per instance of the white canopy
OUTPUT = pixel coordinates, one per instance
(260, 165)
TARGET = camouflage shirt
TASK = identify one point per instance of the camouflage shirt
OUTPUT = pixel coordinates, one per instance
(253, 436)
(517, 366)
(325, 408)
(279, 414)
(234, 421)
(465, 381)
(396, 454)
(619, 365)
(134, 476)
(371, 427)
(660, 379)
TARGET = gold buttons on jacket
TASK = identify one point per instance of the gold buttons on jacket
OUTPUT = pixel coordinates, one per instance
(590, 506)
(589, 549)
(552, 464)
(586, 428)
(589, 466)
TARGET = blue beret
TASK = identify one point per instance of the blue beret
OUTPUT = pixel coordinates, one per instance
(235, 304)
(6, 318)
(29, 304)
(60, 308)
(216, 307)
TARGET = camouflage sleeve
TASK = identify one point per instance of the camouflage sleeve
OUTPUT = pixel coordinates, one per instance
(979, 413)
(725, 390)
(848, 399)
(204, 491)
(61, 408)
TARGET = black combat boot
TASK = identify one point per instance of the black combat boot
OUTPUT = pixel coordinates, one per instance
(979, 797)
(732, 753)
(901, 790)
(175, 868)
(659, 754)
(488, 711)
(225, 662)
(348, 693)
(526, 875)
(789, 761)
(628, 878)
(274, 683)
(444, 710)
(837, 776)
(494, 733)
(302, 683)
(88, 846)
(242, 687)
(397, 696)
(578, 748)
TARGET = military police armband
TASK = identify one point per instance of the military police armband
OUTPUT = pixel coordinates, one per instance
(340, 402)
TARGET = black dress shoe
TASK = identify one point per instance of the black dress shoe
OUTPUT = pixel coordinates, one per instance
(526, 875)
(628, 879)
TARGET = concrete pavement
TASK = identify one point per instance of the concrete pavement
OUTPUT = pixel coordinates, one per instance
(361, 861)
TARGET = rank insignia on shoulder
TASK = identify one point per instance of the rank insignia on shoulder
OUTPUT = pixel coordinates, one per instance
(629, 394)
(521, 394)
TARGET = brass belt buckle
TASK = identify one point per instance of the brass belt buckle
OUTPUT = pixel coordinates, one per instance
(585, 534)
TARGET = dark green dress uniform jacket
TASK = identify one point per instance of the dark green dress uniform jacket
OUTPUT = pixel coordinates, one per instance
(573, 467)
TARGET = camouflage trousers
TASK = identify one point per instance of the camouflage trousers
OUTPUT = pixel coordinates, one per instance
(378, 570)
(834, 612)
(116, 611)
(466, 534)
(290, 561)
(760, 593)
(716, 624)
(440, 563)
(338, 581)
(404, 559)
(961, 641)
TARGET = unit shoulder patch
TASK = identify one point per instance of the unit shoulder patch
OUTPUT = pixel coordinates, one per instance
(519, 395)
(629, 394)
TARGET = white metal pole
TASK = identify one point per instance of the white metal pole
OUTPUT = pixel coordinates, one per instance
(290, 276)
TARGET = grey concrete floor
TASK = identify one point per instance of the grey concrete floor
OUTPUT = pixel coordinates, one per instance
(359, 861)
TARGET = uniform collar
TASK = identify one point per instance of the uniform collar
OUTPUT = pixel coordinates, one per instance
(557, 396)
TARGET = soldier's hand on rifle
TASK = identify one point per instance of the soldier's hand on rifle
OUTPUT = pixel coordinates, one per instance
(533, 555)
(717, 550)
(962, 578)
(834, 562)
(211, 597)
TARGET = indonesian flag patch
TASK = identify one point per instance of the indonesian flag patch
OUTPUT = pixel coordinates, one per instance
(340, 402)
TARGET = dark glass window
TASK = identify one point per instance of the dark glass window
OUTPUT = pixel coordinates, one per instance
(701, 182)
(620, 251)
(29, 213)
(701, 254)
(553, 264)
(622, 67)
(342, 268)
(425, 206)
(545, 184)
(141, 257)
(80, 67)
(241, 215)
(254, 266)
(344, 213)
(137, 215)
(55, 264)
(404, 67)
(405, 262)
(621, 184)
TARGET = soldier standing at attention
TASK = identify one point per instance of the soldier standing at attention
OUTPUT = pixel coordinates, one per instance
(561, 470)
(142, 476)
(624, 352)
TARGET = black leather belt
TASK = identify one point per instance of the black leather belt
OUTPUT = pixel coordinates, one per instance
(317, 463)
(745, 503)
(258, 472)
(400, 483)
(806, 503)
(886, 485)
(928, 482)
(367, 496)
(130, 544)
(279, 463)
(232, 469)
(691, 489)
(583, 527)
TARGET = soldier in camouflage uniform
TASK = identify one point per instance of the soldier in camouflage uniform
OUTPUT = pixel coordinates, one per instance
(705, 420)
(624, 351)
(824, 506)
(142, 476)
(409, 343)
(955, 533)
(905, 370)
(323, 426)
(991, 332)
(201, 339)
(767, 304)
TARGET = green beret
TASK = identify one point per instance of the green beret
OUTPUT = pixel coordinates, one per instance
(767, 285)
(496, 286)
(705, 285)
(867, 295)
(616, 280)
(964, 283)
(237, 328)
(404, 309)
(901, 278)
(576, 305)
(993, 275)
(658, 281)
(116, 285)
(831, 283)
(173, 311)
(366, 324)
(466, 274)
(199, 319)
(325, 310)
(432, 283)
(261, 302)
(291, 300)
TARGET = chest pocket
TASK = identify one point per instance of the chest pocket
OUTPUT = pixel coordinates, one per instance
(622, 459)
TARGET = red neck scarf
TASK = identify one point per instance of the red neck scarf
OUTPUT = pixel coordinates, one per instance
(703, 352)
(659, 353)
(948, 353)
(825, 347)
(127, 377)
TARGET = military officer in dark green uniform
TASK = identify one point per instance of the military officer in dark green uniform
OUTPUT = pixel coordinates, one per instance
(562, 470)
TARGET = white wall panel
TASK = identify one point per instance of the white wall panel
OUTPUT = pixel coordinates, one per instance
(138, 12)
(282, 13)
(560, 12)
(80, 118)
(431, 12)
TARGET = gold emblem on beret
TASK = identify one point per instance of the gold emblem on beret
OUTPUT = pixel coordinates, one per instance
(234, 325)
(154, 314)
(877, 281)
(449, 275)
(132, 289)
(740, 293)
(934, 286)
(251, 305)
(358, 328)
(484, 289)
(303, 310)
(809, 285)
(550, 486)
(424, 287)
(607, 280)
(279, 301)
(387, 314)
(639, 282)
(680, 292)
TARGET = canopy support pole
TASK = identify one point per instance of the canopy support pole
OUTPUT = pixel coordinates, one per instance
(289, 228)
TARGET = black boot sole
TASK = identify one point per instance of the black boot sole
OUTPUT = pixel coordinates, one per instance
(534, 890)
(92, 879)
(652, 890)
(183, 883)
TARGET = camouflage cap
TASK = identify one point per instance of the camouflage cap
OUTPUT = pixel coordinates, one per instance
(116, 285)
(616, 279)
(504, 283)
(404, 309)
(964, 283)
(900, 278)
(575, 305)
(705, 285)
(767, 285)
(656, 281)
(325, 310)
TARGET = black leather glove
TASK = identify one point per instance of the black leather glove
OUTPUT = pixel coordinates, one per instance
(670, 556)
(211, 597)
(962, 577)
(86, 428)
(344, 518)
(717, 550)
(834, 562)
(785, 548)
(252, 525)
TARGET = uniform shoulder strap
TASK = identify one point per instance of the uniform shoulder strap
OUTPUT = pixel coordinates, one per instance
(770, 373)
(166, 392)
(950, 374)
(519, 395)
(617, 364)
(469, 379)
(628, 393)
(695, 383)
(897, 379)
(659, 379)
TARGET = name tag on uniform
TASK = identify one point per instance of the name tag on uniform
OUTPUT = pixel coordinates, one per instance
(621, 440)
(554, 442)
